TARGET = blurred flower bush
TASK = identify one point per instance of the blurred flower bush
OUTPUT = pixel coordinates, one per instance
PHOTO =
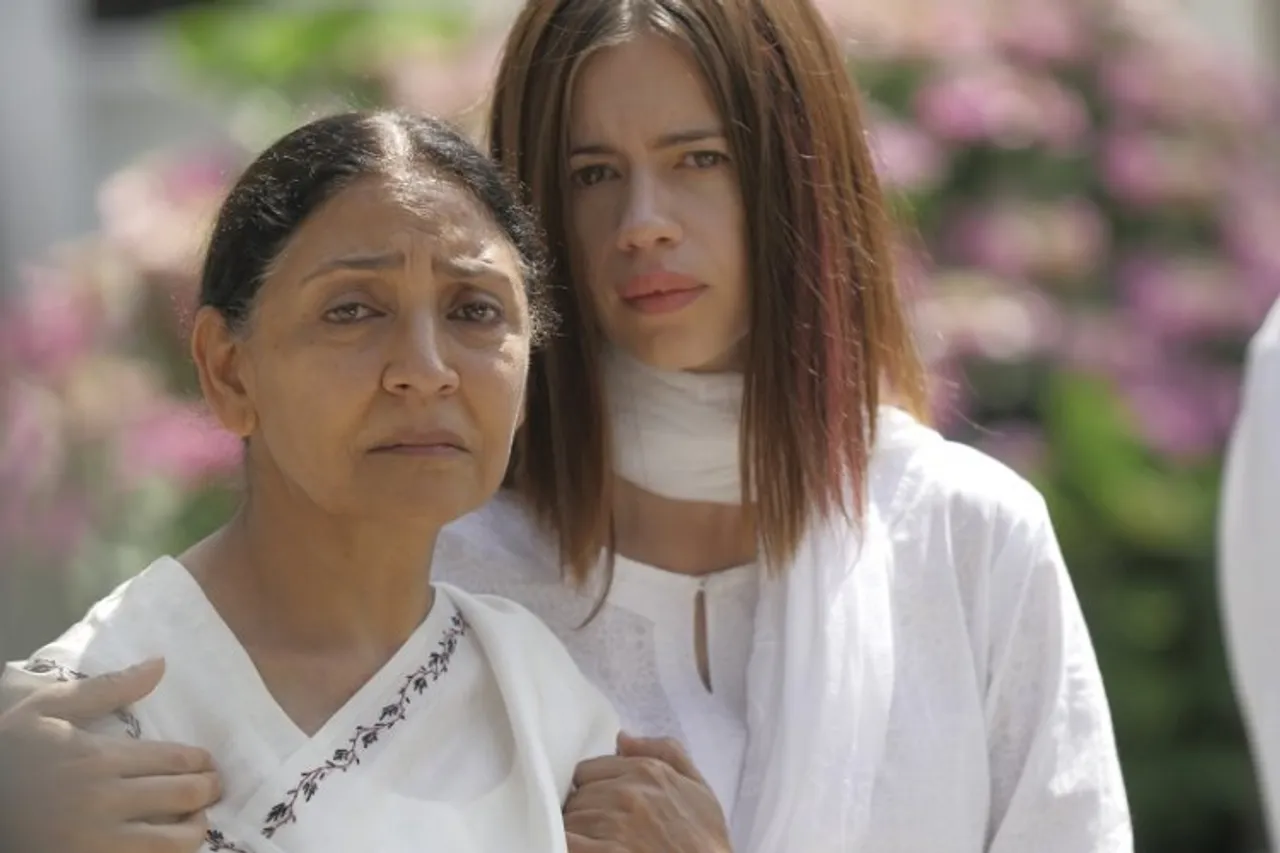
(1092, 197)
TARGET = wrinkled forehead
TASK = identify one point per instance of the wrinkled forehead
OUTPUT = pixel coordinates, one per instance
(410, 212)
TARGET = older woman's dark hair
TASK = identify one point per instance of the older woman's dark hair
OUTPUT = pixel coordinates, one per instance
(295, 176)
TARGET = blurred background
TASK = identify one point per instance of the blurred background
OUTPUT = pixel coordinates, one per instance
(1090, 198)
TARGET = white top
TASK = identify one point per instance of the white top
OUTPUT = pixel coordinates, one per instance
(713, 723)
(468, 736)
(1250, 558)
(999, 735)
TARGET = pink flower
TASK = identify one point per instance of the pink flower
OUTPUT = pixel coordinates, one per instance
(1042, 31)
(32, 450)
(1185, 297)
(1180, 82)
(1108, 345)
(179, 442)
(103, 396)
(1148, 169)
(1250, 218)
(908, 160)
(1066, 240)
(994, 103)
(1183, 410)
(49, 324)
(977, 316)
(160, 213)
(1170, 419)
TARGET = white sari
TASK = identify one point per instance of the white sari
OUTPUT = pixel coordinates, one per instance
(466, 740)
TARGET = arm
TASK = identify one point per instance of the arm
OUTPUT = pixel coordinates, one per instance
(1249, 558)
(1056, 785)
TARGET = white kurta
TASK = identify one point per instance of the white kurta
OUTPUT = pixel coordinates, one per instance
(1250, 558)
(999, 736)
(466, 740)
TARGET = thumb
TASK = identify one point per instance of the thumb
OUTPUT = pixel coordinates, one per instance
(97, 696)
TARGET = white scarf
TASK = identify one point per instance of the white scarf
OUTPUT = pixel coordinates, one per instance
(820, 675)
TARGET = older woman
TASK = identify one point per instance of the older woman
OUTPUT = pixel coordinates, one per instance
(369, 301)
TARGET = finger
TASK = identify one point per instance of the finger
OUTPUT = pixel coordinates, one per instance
(92, 698)
(598, 797)
(600, 769)
(666, 750)
(187, 836)
(168, 798)
(583, 844)
(600, 824)
(131, 759)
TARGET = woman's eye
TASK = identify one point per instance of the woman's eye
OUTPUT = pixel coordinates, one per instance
(589, 176)
(478, 312)
(351, 312)
(705, 159)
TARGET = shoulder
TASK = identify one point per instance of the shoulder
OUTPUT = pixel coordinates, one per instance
(112, 634)
(919, 477)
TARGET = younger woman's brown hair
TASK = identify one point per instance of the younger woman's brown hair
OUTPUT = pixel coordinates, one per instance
(828, 332)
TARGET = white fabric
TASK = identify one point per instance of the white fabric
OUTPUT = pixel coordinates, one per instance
(675, 434)
(816, 742)
(713, 723)
(468, 736)
(1250, 558)
(997, 736)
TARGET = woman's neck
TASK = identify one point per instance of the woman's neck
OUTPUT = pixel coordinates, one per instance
(291, 578)
(681, 536)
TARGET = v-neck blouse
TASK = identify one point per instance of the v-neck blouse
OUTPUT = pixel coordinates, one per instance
(470, 733)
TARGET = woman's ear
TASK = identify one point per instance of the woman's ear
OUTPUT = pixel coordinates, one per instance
(220, 363)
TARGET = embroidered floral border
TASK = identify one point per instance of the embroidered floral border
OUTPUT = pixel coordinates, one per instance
(342, 760)
(365, 736)
(45, 666)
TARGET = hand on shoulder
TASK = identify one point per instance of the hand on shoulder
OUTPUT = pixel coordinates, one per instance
(71, 791)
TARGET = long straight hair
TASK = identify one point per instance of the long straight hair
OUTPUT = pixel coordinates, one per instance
(828, 331)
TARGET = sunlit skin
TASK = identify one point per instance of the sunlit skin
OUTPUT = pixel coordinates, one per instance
(657, 217)
(379, 383)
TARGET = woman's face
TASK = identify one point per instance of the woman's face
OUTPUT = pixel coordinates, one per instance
(382, 370)
(656, 215)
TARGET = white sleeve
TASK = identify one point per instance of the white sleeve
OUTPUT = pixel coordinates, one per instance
(1056, 785)
(1249, 558)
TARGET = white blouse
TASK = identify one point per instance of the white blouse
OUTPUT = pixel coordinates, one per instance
(1250, 558)
(713, 723)
(999, 738)
(468, 736)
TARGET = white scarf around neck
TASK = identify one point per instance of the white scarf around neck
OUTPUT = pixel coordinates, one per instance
(820, 675)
